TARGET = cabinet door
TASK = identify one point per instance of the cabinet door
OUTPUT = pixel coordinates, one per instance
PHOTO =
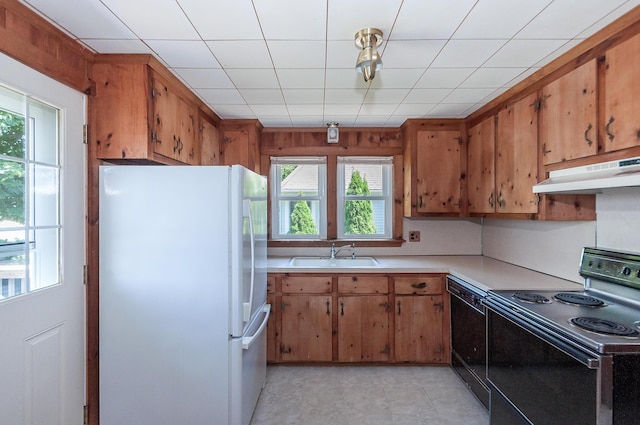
(306, 328)
(174, 124)
(481, 167)
(419, 329)
(517, 157)
(363, 328)
(622, 103)
(438, 171)
(210, 149)
(568, 116)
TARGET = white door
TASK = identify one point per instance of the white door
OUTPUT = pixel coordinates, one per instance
(42, 216)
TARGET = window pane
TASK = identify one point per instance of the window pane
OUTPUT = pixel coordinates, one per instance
(299, 217)
(12, 193)
(299, 180)
(44, 196)
(362, 179)
(43, 132)
(359, 218)
(12, 131)
(43, 259)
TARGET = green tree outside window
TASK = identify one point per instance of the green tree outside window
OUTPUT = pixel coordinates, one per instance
(358, 215)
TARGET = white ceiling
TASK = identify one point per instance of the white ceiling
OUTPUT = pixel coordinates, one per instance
(291, 62)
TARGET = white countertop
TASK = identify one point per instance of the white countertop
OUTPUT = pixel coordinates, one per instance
(482, 272)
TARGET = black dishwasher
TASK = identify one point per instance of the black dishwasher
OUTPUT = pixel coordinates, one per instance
(468, 336)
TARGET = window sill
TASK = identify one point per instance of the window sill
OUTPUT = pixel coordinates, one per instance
(358, 242)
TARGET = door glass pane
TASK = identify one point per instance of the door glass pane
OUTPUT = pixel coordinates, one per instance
(44, 196)
(43, 259)
(43, 122)
(12, 123)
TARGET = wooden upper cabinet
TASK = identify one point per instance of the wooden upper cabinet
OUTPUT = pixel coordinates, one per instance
(241, 143)
(175, 123)
(438, 171)
(517, 157)
(210, 136)
(140, 114)
(481, 167)
(621, 97)
(568, 116)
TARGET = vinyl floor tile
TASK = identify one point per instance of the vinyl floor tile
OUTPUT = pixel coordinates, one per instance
(371, 395)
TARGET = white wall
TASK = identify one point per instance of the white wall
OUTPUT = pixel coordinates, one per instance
(618, 224)
(549, 247)
(437, 237)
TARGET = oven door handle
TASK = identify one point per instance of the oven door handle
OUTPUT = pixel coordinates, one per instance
(560, 342)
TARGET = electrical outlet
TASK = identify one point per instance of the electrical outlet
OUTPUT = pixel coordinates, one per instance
(414, 236)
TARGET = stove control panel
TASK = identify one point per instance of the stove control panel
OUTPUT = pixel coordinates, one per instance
(619, 267)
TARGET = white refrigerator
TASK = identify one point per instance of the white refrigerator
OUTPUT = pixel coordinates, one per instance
(183, 308)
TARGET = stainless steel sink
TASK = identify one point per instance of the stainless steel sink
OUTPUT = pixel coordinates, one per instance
(319, 262)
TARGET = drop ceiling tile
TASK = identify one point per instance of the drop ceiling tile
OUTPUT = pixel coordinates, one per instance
(232, 111)
(443, 78)
(411, 53)
(498, 19)
(315, 109)
(241, 53)
(253, 78)
(523, 53)
(345, 79)
(168, 21)
(303, 96)
(117, 46)
(262, 96)
(426, 95)
(414, 109)
(343, 54)
(292, 19)
(184, 54)
(297, 54)
(389, 78)
(558, 52)
(308, 121)
(491, 77)
(353, 96)
(626, 7)
(270, 110)
(342, 109)
(202, 78)
(237, 22)
(221, 96)
(449, 110)
(466, 53)
(346, 18)
(378, 108)
(396, 120)
(371, 120)
(467, 95)
(437, 19)
(553, 22)
(342, 119)
(72, 15)
(301, 78)
(386, 96)
(275, 121)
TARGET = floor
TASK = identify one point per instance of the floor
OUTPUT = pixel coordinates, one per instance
(364, 395)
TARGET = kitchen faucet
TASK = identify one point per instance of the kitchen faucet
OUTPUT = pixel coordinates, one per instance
(334, 251)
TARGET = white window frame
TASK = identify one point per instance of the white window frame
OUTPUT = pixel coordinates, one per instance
(277, 196)
(386, 196)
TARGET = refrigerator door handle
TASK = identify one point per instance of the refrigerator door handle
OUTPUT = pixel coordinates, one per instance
(246, 213)
(248, 340)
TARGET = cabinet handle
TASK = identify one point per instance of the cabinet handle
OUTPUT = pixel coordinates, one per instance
(341, 309)
(586, 135)
(491, 200)
(192, 153)
(607, 128)
(544, 149)
(398, 308)
(420, 204)
(328, 310)
(501, 202)
(419, 285)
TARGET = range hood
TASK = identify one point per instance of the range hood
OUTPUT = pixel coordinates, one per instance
(592, 178)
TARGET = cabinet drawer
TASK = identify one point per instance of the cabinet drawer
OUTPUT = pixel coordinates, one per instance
(363, 285)
(306, 284)
(419, 285)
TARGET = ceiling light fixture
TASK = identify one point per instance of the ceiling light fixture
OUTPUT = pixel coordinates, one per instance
(369, 60)
(333, 134)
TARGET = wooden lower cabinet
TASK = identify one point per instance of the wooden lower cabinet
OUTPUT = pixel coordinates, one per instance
(366, 318)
